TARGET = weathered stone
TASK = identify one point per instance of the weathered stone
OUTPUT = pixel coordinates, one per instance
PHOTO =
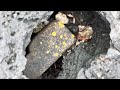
(114, 19)
(107, 67)
(46, 47)
(102, 67)
(16, 28)
(82, 54)
(113, 53)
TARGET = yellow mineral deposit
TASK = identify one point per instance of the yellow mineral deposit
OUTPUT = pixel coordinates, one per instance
(73, 36)
(53, 42)
(56, 54)
(61, 24)
(61, 36)
(56, 46)
(54, 33)
(64, 43)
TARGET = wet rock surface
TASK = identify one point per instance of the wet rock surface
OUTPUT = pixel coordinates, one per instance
(81, 55)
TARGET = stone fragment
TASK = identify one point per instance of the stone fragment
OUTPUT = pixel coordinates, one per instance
(46, 48)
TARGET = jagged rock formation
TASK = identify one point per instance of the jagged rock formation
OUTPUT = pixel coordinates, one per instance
(16, 28)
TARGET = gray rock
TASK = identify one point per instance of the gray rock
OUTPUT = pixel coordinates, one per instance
(113, 18)
(82, 56)
(16, 30)
(107, 66)
(15, 33)
(113, 53)
(101, 68)
(43, 50)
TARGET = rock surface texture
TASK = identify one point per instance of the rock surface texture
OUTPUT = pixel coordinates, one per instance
(83, 54)
(45, 50)
(106, 65)
(16, 28)
(97, 59)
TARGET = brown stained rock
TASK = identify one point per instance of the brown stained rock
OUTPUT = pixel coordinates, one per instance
(47, 47)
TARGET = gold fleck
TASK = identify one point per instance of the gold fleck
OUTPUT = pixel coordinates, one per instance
(61, 36)
(53, 33)
(56, 46)
(73, 36)
(64, 43)
(61, 24)
(56, 54)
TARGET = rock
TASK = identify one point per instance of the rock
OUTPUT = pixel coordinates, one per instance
(81, 56)
(73, 62)
(15, 33)
(81, 75)
(16, 30)
(108, 66)
(113, 53)
(101, 68)
(47, 47)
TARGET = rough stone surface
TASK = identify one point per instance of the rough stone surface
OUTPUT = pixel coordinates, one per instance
(47, 47)
(16, 29)
(91, 60)
(82, 54)
(107, 65)
(114, 19)
(102, 67)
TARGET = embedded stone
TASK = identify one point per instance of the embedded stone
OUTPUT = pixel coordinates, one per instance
(47, 47)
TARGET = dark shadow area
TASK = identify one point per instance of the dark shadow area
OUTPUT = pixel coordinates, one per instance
(54, 70)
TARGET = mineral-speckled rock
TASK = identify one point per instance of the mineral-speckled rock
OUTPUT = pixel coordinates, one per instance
(15, 31)
(47, 47)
